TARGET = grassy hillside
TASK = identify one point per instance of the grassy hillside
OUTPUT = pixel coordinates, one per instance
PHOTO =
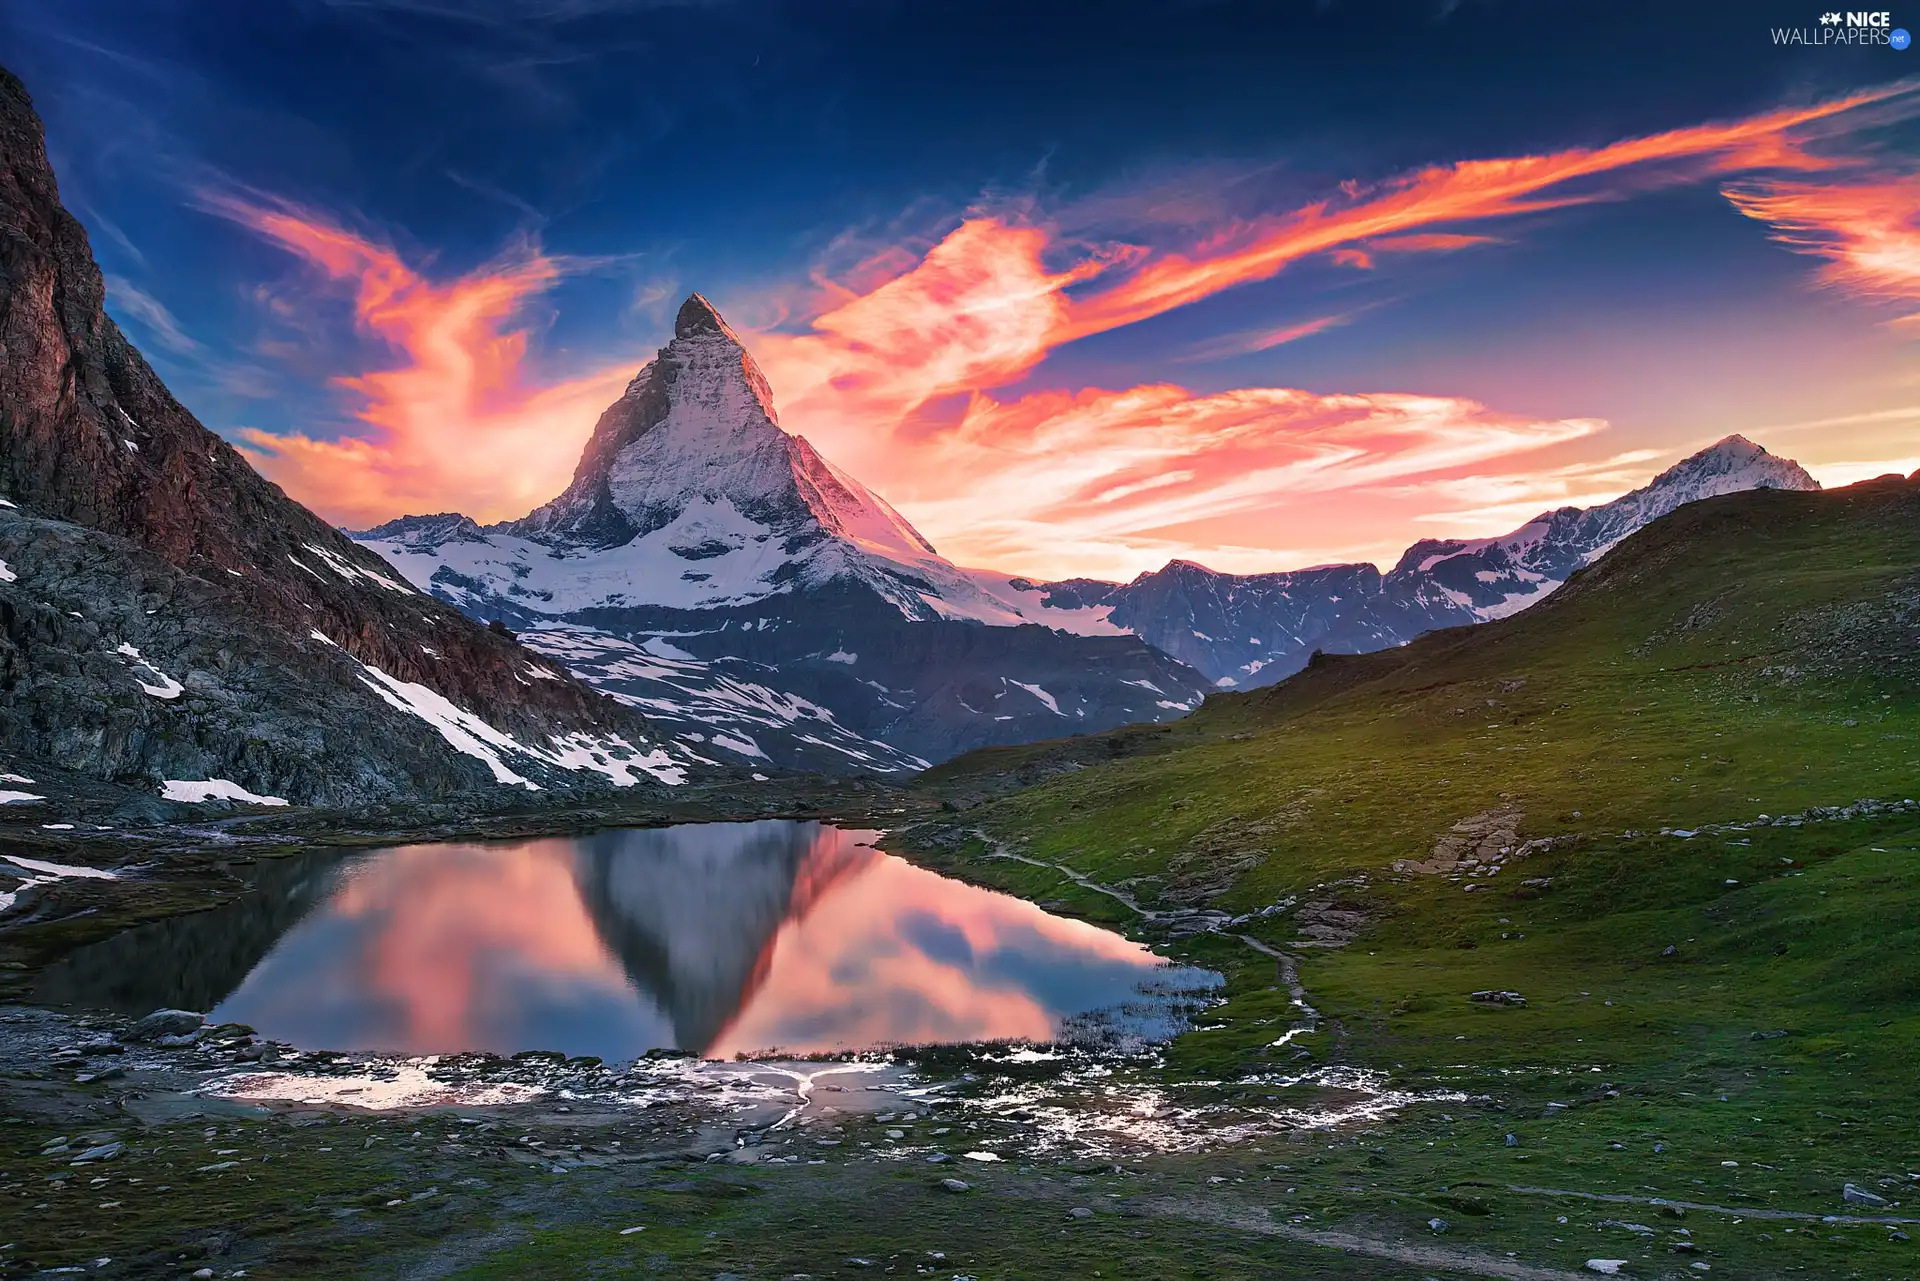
(1700, 987)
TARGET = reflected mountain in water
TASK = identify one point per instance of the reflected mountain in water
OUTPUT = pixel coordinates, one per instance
(718, 938)
(194, 960)
(692, 912)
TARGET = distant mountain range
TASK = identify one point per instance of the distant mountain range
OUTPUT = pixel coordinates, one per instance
(1246, 630)
(718, 573)
(171, 620)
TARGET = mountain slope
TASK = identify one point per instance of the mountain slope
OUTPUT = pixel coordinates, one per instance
(223, 631)
(697, 531)
(1248, 630)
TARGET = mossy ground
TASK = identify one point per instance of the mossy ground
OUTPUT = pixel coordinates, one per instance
(1755, 654)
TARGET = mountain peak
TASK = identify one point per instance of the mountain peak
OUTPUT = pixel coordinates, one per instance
(698, 316)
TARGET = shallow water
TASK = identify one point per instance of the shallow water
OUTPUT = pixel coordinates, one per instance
(720, 939)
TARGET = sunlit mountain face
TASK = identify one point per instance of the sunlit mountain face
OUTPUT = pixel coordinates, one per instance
(718, 939)
(1256, 287)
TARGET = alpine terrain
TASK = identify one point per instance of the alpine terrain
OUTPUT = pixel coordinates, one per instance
(171, 620)
(1248, 630)
(718, 573)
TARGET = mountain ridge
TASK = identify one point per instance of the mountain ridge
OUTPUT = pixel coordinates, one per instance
(259, 648)
(697, 531)
(1247, 630)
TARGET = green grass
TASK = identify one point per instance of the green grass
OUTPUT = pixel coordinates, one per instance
(1748, 655)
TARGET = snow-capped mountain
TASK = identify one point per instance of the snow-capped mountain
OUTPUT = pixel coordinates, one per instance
(171, 620)
(1247, 630)
(705, 560)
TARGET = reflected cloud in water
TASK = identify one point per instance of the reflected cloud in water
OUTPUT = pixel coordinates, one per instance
(717, 938)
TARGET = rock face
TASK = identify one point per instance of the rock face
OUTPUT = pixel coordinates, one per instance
(720, 574)
(167, 613)
(1246, 630)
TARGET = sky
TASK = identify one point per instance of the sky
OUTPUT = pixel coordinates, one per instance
(1078, 288)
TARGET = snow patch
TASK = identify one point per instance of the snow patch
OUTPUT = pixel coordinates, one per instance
(166, 687)
(841, 656)
(351, 572)
(463, 731)
(47, 873)
(213, 789)
(7, 575)
(18, 798)
(1052, 703)
(744, 746)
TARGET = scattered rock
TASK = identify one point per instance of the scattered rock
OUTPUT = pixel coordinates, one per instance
(1513, 1140)
(164, 1023)
(1438, 1225)
(938, 1158)
(108, 1151)
(1080, 1212)
(1768, 1036)
(1492, 997)
(1669, 950)
(1606, 1267)
(956, 1185)
(1860, 1196)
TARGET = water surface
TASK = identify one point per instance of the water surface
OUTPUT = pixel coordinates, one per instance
(720, 939)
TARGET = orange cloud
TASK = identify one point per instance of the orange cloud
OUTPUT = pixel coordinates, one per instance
(456, 426)
(894, 378)
(1469, 190)
(1869, 231)
(1430, 242)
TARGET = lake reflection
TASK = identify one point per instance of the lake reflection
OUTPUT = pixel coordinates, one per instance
(716, 938)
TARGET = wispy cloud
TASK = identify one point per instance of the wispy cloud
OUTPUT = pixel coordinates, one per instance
(457, 424)
(150, 315)
(897, 368)
(1466, 191)
(1868, 230)
(1248, 341)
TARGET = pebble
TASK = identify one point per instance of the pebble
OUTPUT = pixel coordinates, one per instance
(956, 1185)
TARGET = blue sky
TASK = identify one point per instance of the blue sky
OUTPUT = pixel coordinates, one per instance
(785, 158)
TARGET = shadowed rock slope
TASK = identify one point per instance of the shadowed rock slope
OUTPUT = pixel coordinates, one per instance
(167, 613)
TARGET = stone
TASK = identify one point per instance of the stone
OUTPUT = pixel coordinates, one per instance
(938, 1158)
(162, 1023)
(101, 1152)
(1080, 1212)
(1493, 997)
(1438, 1225)
(956, 1185)
(1606, 1267)
(1860, 1196)
(1513, 1140)
(202, 1274)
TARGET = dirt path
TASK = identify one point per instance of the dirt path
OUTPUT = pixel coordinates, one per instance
(1422, 1255)
(1288, 963)
(1791, 1216)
